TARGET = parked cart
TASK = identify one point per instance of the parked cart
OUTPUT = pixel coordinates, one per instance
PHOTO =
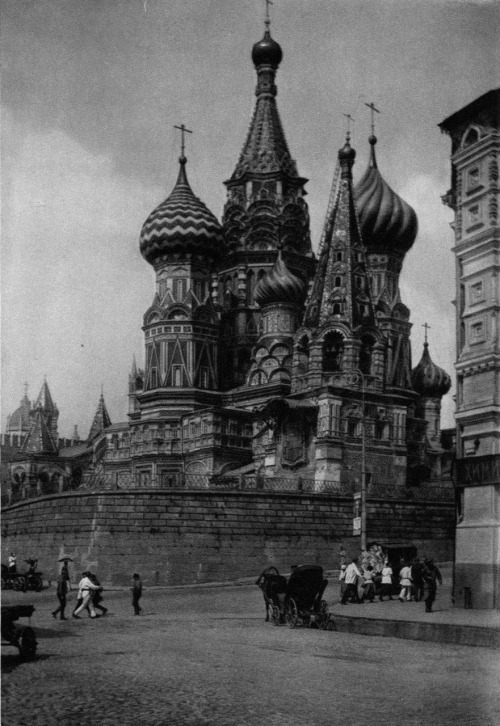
(21, 636)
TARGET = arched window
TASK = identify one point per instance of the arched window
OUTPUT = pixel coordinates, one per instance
(333, 351)
(339, 256)
(470, 137)
(338, 281)
(337, 309)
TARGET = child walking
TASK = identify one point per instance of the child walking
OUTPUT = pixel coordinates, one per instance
(136, 593)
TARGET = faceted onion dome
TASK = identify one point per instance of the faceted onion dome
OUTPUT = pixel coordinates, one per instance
(267, 52)
(280, 285)
(182, 223)
(386, 220)
(428, 379)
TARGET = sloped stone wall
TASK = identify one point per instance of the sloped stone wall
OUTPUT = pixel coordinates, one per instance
(180, 537)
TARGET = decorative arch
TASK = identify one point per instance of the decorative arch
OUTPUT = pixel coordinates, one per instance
(332, 351)
(471, 136)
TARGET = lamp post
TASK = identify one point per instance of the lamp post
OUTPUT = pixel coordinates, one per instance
(356, 376)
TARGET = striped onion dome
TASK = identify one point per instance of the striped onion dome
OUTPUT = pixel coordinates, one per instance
(387, 221)
(182, 223)
(428, 379)
(280, 285)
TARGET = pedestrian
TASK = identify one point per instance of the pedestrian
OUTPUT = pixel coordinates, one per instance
(84, 587)
(417, 580)
(96, 595)
(342, 556)
(342, 572)
(12, 564)
(405, 582)
(63, 585)
(352, 576)
(431, 576)
(369, 584)
(136, 593)
(386, 584)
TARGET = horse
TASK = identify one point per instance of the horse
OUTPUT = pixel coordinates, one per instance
(272, 584)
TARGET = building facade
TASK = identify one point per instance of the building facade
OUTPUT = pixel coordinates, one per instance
(262, 361)
(474, 197)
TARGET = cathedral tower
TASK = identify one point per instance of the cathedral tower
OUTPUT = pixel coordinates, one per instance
(182, 240)
(265, 205)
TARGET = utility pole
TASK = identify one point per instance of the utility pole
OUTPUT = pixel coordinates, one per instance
(352, 377)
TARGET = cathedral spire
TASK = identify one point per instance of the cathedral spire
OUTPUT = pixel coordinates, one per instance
(340, 289)
(101, 419)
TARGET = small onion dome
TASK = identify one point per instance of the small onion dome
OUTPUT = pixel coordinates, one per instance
(267, 52)
(280, 285)
(428, 379)
(386, 220)
(20, 419)
(347, 153)
(182, 223)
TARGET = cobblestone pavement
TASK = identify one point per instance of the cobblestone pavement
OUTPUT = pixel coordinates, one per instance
(205, 657)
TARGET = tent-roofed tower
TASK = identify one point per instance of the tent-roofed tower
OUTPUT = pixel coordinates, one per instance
(265, 205)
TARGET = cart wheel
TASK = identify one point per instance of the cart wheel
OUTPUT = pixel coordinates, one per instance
(276, 615)
(292, 613)
(19, 583)
(330, 625)
(27, 644)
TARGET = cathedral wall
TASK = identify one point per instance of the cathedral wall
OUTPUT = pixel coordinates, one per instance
(181, 537)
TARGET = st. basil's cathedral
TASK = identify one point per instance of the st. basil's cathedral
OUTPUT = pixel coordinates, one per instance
(264, 363)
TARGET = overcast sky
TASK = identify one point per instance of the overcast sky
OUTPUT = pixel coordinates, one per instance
(91, 92)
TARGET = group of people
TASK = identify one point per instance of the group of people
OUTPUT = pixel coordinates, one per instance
(89, 596)
(417, 582)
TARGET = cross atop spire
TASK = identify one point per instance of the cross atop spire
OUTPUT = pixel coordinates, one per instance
(267, 21)
(349, 120)
(373, 110)
(183, 131)
(427, 327)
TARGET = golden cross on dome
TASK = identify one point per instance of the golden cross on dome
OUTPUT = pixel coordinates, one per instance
(183, 130)
(427, 327)
(373, 110)
(267, 21)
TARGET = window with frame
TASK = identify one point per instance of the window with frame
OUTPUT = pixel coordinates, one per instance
(473, 214)
(476, 332)
(476, 293)
(473, 179)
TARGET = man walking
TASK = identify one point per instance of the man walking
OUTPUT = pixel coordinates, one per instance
(351, 581)
(62, 590)
(84, 587)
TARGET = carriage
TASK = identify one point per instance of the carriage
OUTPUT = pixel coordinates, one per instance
(21, 636)
(298, 600)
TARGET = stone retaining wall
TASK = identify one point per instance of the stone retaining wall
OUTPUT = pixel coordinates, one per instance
(180, 537)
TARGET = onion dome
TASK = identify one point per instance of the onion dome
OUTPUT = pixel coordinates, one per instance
(19, 421)
(182, 223)
(267, 52)
(280, 285)
(386, 220)
(428, 379)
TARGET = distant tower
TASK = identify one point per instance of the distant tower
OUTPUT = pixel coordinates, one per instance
(265, 205)
(101, 419)
(18, 423)
(474, 197)
(42, 437)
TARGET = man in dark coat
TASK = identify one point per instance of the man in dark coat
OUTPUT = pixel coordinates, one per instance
(417, 579)
(62, 591)
(431, 576)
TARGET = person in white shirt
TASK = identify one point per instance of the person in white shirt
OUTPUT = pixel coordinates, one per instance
(84, 587)
(386, 584)
(342, 572)
(406, 583)
(12, 564)
(351, 580)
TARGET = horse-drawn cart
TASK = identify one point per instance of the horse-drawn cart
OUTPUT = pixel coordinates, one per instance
(298, 600)
(21, 636)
